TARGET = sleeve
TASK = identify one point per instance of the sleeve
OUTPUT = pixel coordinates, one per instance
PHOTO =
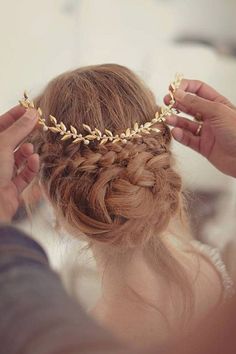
(37, 315)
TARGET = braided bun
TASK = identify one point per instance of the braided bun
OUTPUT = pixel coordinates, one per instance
(113, 191)
(121, 194)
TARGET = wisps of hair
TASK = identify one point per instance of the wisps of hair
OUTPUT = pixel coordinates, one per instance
(123, 196)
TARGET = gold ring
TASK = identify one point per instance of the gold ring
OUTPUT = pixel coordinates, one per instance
(198, 132)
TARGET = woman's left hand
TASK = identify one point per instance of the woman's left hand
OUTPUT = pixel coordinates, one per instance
(18, 163)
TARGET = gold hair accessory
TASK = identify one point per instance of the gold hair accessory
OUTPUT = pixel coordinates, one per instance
(107, 136)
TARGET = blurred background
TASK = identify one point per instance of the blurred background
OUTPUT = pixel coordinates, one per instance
(156, 38)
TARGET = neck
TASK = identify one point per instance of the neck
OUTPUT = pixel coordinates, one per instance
(132, 290)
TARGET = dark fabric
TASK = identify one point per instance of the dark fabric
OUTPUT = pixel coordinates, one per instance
(36, 314)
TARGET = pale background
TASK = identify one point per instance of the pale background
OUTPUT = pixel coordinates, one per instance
(40, 39)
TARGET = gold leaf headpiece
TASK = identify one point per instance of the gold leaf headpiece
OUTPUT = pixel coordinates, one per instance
(107, 135)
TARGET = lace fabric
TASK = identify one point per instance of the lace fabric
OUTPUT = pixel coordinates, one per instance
(214, 255)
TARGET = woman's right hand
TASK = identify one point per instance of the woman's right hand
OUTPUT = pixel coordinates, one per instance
(217, 138)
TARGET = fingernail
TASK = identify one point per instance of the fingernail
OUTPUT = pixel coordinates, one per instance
(179, 94)
(31, 114)
(172, 120)
(177, 134)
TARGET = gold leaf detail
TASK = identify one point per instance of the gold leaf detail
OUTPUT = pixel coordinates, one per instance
(54, 130)
(73, 130)
(26, 95)
(157, 115)
(147, 125)
(66, 137)
(136, 127)
(98, 132)
(23, 104)
(116, 140)
(53, 119)
(77, 140)
(104, 141)
(63, 127)
(171, 95)
(31, 104)
(87, 128)
(108, 132)
(40, 112)
(127, 133)
(156, 130)
(90, 137)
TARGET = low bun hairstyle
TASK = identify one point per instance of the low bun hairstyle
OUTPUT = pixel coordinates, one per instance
(121, 197)
(113, 193)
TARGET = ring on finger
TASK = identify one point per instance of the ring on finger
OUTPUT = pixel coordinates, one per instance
(198, 132)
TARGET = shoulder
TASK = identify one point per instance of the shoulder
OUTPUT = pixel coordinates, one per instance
(213, 256)
(208, 277)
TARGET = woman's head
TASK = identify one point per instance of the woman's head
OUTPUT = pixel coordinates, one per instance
(113, 193)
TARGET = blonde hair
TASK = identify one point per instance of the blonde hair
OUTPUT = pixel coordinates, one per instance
(123, 196)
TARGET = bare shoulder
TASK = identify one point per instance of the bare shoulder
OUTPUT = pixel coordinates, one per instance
(207, 284)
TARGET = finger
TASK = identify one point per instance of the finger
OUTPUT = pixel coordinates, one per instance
(186, 138)
(177, 105)
(30, 170)
(8, 118)
(181, 122)
(167, 99)
(23, 153)
(203, 90)
(194, 105)
(20, 129)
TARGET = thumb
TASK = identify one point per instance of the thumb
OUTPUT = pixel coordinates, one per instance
(194, 105)
(19, 130)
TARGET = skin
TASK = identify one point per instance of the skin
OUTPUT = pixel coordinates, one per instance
(125, 300)
(217, 140)
(19, 164)
(217, 143)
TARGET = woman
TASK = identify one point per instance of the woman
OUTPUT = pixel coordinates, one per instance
(126, 200)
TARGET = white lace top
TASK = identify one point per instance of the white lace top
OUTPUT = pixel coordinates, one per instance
(214, 255)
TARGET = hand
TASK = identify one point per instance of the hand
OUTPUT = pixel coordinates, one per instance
(18, 163)
(217, 139)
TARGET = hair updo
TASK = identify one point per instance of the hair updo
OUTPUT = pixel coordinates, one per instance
(120, 196)
(115, 193)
